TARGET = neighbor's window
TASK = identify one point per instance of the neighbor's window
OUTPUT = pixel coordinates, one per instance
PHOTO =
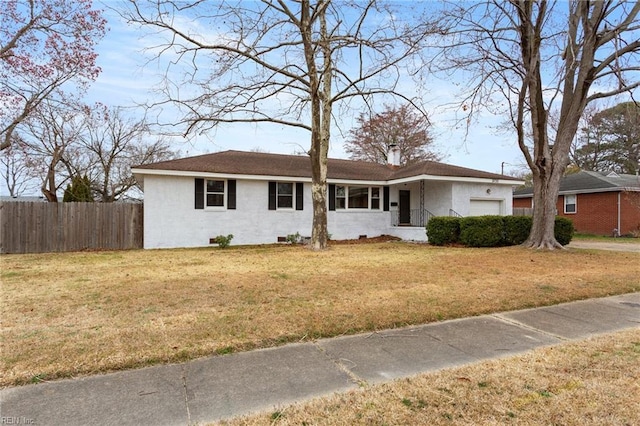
(570, 203)
(285, 195)
(215, 193)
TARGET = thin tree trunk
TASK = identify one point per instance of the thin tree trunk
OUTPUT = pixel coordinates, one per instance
(321, 119)
(49, 183)
(319, 196)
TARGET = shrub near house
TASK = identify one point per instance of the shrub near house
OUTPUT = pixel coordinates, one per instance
(490, 231)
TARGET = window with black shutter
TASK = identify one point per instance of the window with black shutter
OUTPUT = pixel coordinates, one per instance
(212, 193)
(231, 194)
(299, 196)
(199, 194)
(332, 197)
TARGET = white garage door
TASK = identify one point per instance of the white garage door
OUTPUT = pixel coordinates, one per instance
(485, 207)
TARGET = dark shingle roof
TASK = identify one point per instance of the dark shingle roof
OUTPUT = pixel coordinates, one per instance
(586, 181)
(263, 164)
(433, 168)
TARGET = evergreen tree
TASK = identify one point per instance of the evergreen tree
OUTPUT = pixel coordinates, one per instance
(610, 142)
(79, 190)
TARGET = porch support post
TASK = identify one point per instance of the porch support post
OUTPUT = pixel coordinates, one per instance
(421, 212)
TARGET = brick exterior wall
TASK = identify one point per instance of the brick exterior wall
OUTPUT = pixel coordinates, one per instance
(522, 203)
(630, 216)
(597, 213)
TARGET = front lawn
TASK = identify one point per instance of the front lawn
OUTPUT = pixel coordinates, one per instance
(73, 314)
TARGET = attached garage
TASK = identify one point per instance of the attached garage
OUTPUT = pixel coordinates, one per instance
(485, 207)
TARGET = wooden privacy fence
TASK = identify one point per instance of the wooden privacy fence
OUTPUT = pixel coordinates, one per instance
(522, 211)
(40, 227)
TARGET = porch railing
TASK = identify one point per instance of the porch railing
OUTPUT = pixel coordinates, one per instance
(417, 217)
(453, 213)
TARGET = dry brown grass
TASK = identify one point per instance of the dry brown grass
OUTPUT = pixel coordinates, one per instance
(81, 313)
(593, 382)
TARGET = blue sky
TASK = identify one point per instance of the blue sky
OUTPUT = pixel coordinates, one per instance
(127, 79)
(129, 75)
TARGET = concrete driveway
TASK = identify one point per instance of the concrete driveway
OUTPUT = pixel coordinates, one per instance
(597, 245)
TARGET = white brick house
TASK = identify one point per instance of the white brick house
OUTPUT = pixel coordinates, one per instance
(260, 198)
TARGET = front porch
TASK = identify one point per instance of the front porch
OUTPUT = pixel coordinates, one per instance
(411, 217)
(410, 225)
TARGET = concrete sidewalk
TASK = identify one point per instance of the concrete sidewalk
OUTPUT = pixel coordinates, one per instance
(219, 387)
(599, 245)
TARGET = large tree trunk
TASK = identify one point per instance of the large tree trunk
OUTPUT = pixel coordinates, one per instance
(549, 159)
(545, 194)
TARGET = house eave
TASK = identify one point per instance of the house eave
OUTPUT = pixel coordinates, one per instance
(587, 191)
(599, 190)
(180, 173)
(140, 173)
(458, 179)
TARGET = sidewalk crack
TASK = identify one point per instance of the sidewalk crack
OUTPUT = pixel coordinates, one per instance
(528, 327)
(186, 393)
(341, 364)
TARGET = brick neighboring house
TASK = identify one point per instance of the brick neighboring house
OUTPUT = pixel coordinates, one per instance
(597, 203)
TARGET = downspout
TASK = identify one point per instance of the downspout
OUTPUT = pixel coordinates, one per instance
(619, 223)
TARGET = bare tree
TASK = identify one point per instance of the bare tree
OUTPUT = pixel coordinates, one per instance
(14, 170)
(111, 144)
(402, 127)
(50, 144)
(62, 142)
(282, 62)
(538, 54)
(44, 45)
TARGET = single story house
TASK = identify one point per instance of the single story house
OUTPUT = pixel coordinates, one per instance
(597, 203)
(262, 198)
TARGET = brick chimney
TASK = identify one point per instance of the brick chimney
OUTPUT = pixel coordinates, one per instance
(393, 156)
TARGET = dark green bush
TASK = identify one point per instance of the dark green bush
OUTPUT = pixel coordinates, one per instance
(516, 229)
(563, 230)
(490, 231)
(442, 230)
(223, 241)
(481, 231)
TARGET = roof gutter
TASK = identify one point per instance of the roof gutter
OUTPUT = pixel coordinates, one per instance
(587, 191)
(139, 174)
(455, 179)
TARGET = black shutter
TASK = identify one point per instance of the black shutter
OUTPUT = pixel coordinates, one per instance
(385, 194)
(332, 196)
(272, 195)
(199, 195)
(299, 196)
(231, 194)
